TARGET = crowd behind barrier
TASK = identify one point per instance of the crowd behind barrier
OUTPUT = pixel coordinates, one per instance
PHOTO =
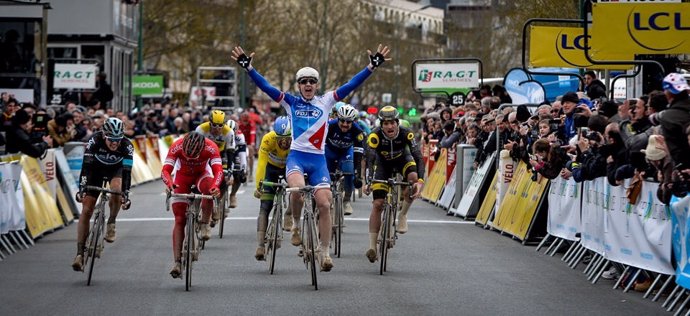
(594, 176)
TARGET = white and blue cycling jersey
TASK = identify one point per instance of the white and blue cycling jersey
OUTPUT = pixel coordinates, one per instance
(309, 118)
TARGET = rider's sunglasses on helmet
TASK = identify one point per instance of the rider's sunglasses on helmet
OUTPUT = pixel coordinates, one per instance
(345, 121)
(216, 125)
(308, 80)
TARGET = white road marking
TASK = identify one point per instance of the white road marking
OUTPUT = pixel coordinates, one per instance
(355, 219)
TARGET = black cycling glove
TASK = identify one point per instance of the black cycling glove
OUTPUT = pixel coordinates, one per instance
(376, 60)
(244, 61)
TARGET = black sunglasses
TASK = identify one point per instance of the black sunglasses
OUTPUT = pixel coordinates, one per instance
(309, 81)
(216, 125)
(345, 121)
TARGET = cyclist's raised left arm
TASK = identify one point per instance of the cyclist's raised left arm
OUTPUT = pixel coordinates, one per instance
(246, 62)
(376, 60)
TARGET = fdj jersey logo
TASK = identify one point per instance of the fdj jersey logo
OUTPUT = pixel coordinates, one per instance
(659, 31)
(426, 76)
(309, 113)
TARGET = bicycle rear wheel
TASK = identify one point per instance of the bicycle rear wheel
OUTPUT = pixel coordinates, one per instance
(189, 248)
(95, 242)
(338, 227)
(310, 253)
(274, 235)
(384, 235)
(223, 204)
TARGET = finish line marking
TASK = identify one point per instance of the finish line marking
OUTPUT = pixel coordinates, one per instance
(354, 219)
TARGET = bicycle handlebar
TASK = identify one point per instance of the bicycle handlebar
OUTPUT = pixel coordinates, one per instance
(308, 188)
(391, 182)
(263, 183)
(100, 189)
(191, 196)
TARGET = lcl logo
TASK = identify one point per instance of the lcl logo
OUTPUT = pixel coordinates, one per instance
(645, 29)
(577, 42)
(568, 46)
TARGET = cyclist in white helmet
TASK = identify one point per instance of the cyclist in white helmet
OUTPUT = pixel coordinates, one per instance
(309, 119)
(344, 150)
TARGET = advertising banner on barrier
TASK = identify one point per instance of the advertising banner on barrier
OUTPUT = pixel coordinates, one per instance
(596, 200)
(640, 235)
(435, 181)
(49, 170)
(506, 169)
(448, 194)
(680, 216)
(564, 208)
(40, 208)
(450, 161)
(640, 28)
(556, 46)
(488, 203)
(11, 198)
(162, 151)
(469, 203)
(152, 153)
(74, 152)
(140, 141)
(67, 177)
(506, 197)
(528, 202)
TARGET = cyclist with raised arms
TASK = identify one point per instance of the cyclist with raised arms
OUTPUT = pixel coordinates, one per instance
(195, 160)
(108, 155)
(344, 149)
(273, 152)
(392, 148)
(239, 159)
(224, 137)
(309, 119)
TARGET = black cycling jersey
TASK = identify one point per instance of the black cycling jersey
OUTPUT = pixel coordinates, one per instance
(100, 160)
(383, 151)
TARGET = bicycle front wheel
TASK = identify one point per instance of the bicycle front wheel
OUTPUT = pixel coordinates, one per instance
(223, 203)
(275, 230)
(189, 251)
(310, 251)
(384, 236)
(95, 243)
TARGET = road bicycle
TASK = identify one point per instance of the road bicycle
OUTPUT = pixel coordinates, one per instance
(274, 232)
(338, 216)
(310, 234)
(191, 245)
(94, 241)
(388, 233)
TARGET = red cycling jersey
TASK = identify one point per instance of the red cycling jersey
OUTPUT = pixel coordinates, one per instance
(193, 167)
(248, 128)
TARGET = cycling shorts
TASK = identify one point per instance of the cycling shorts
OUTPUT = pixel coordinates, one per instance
(98, 175)
(314, 165)
(388, 169)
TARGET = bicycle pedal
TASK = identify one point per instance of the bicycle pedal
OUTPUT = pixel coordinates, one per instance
(300, 253)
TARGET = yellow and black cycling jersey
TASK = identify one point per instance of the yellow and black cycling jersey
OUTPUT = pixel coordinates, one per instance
(270, 153)
(225, 139)
(383, 151)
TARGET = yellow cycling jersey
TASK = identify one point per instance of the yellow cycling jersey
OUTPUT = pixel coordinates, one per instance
(224, 140)
(270, 152)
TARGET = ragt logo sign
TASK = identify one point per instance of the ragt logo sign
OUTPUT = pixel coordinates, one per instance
(647, 29)
(446, 76)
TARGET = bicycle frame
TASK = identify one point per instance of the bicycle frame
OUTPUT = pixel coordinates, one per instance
(338, 216)
(274, 232)
(388, 233)
(309, 228)
(94, 240)
(191, 230)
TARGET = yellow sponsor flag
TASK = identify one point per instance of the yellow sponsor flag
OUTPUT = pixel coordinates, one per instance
(488, 203)
(641, 28)
(41, 210)
(555, 46)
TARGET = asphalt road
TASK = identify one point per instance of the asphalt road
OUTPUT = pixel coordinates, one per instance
(442, 266)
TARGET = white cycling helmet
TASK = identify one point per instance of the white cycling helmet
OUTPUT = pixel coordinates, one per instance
(347, 113)
(307, 72)
(232, 124)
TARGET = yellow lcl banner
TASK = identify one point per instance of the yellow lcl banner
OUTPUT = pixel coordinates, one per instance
(554, 46)
(650, 28)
